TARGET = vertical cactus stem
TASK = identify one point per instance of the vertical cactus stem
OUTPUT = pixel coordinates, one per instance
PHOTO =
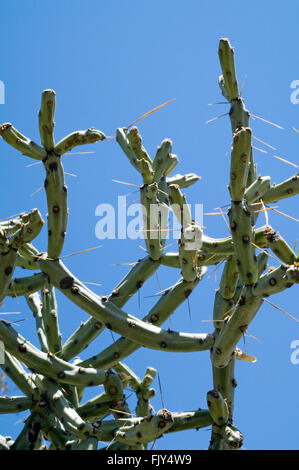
(239, 115)
(151, 220)
(8, 262)
(218, 407)
(179, 205)
(240, 163)
(135, 142)
(21, 143)
(242, 236)
(46, 117)
(189, 244)
(35, 305)
(56, 191)
(225, 383)
(235, 327)
(183, 181)
(114, 391)
(145, 169)
(285, 189)
(166, 305)
(50, 318)
(123, 141)
(76, 138)
(161, 160)
(229, 278)
(229, 78)
(223, 308)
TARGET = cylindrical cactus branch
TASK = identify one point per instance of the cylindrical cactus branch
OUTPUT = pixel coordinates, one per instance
(8, 261)
(115, 393)
(120, 322)
(17, 140)
(14, 404)
(46, 120)
(56, 191)
(183, 181)
(47, 364)
(283, 190)
(76, 138)
(166, 305)
(225, 383)
(239, 166)
(15, 371)
(135, 142)
(218, 408)
(50, 318)
(35, 305)
(151, 220)
(20, 286)
(235, 327)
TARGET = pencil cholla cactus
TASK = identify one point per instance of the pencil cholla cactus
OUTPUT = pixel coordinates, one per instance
(52, 383)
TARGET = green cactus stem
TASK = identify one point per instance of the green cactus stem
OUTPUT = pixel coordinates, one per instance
(283, 190)
(243, 236)
(225, 383)
(56, 191)
(239, 166)
(14, 404)
(229, 278)
(35, 305)
(17, 140)
(135, 142)
(14, 370)
(76, 138)
(183, 181)
(46, 119)
(179, 205)
(27, 285)
(50, 318)
(228, 81)
(149, 429)
(257, 189)
(169, 301)
(47, 364)
(235, 327)
(218, 408)
(8, 262)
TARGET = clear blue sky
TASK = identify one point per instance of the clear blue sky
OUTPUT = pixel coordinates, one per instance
(109, 62)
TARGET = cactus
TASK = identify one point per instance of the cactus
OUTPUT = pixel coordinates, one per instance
(52, 386)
